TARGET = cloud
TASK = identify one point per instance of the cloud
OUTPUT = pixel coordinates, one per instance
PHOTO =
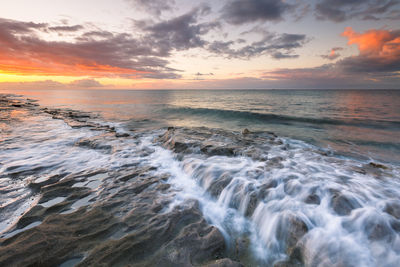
(379, 51)
(155, 7)
(47, 84)
(204, 74)
(341, 10)
(278, 46)
(247, 11)
(376, 66)
(52, 85)
(94, 53)
(329, 76)
(333, 53)
(86, 83)
(179, 33)
(74, 28)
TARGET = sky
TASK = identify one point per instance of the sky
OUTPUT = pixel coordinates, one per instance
(182, 44)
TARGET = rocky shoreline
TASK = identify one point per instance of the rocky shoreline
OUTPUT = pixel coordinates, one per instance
(124, 224)
(251, 198)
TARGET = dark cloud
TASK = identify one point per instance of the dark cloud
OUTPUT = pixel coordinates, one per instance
(247, 11)
(66, 28)
(341, 10)
(280, 55)
(204, 74)
(13, 26)
(278, 46)
(370, 64)
(155, 7)
(94, 35)
(180, 33)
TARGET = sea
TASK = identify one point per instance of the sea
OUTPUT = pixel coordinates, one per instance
(308, 177)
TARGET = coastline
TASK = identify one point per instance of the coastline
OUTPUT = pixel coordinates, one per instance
(157, 206)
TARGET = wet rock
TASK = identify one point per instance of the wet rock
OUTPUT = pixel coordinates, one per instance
(218, 150)
(125, 228)
(295, 260)
(246, 131)
(263, 189)
(395, 224)
(96, 142)
(223, 263)
(36, 186)
(180, 238)
(252, 205)
(393, 208)
(342, 204)
(292, 187)
(122, 135)
(377, 165)
(291, 229)
(313, 199)
(274, 162)
(256, 154)
(179, 147)
(241, 247)
(377, 229)
(219, 184)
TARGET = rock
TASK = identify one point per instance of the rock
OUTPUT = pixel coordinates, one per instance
(146, 237)
(252, 205)
(313, 199)
(219, 184)
(292, 187)
(291, 229)
(96, 142)
(342, 204)
(263, 189)
(377, 228)
(218, 150)
(241, 246)
(223, 263)
(122, 135)
(274, 162)
(246, 131)
(377, 165)
(395, 224)
(393, 208)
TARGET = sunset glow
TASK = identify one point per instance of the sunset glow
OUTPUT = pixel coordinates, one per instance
(210, 45)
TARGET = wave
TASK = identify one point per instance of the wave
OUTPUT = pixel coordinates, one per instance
(281, 119)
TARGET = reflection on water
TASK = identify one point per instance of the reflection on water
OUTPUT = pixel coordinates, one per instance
(366, 122)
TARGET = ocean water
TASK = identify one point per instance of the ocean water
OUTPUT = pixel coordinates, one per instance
(319, 170)
(362, 122)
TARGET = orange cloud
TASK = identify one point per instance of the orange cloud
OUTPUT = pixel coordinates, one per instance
(27, 49)
(375, 42)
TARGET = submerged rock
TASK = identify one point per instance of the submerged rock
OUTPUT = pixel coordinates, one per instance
(291, 230)
(393, 208)
(343, 204)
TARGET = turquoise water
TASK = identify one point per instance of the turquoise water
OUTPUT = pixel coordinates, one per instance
(363, 124)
